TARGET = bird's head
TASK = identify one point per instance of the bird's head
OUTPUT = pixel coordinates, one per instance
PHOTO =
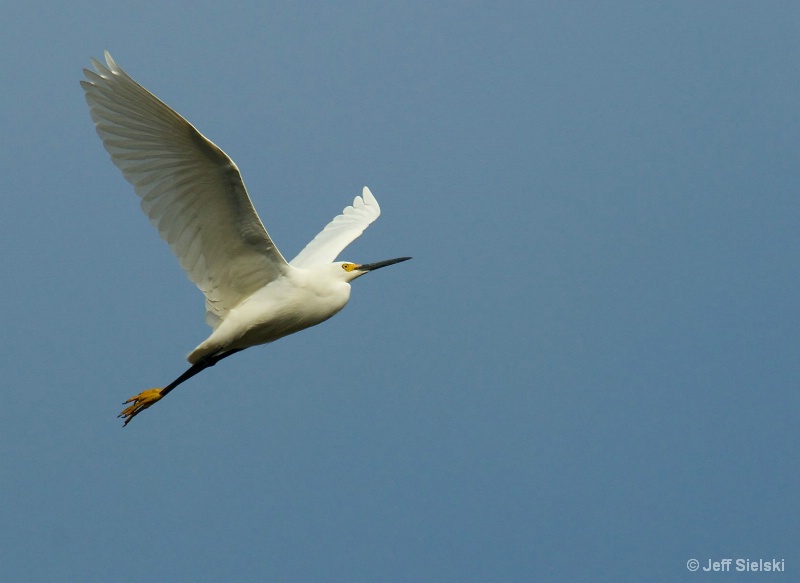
(349, 271)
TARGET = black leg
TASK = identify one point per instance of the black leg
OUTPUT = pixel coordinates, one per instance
(196, 368)
(147, 398)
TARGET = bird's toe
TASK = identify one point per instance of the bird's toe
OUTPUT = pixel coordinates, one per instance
(139, 403)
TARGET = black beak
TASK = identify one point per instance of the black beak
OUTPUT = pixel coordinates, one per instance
(373, 266)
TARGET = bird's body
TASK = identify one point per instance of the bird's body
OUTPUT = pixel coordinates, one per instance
(293, 302)
(194, 195)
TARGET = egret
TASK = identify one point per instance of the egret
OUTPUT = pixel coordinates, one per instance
(194, 195)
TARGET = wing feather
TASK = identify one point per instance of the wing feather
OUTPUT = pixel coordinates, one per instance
(189, 188)
(340, 232)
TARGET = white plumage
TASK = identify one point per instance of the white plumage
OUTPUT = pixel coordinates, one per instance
(194, 195)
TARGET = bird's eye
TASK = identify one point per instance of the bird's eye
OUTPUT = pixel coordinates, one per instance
(345, 266)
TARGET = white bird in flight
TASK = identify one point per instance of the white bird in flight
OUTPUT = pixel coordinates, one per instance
(194, 195)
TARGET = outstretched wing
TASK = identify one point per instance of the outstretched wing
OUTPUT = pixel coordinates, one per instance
(340, 232)
(191, 190)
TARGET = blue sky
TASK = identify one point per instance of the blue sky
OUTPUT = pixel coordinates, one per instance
(587, 373)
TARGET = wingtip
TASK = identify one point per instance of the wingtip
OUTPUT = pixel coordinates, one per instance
(112, 64)
(368, 197)
(103, 69)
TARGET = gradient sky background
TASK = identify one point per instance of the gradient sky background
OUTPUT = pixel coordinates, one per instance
(589, 371)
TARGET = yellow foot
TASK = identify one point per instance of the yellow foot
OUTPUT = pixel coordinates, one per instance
(139, 403)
